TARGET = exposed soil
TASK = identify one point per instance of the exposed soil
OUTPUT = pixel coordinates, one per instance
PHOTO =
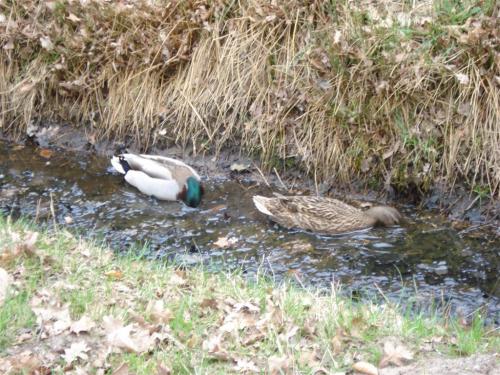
(481, 364)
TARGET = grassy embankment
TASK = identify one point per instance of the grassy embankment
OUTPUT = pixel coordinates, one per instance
(391, 93)
(141, 314)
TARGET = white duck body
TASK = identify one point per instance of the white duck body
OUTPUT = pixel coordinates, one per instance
(158, 176)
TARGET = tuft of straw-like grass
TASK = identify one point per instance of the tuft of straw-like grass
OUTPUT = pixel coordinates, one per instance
(395, 92)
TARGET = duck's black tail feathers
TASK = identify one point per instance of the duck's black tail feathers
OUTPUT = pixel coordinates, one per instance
(125, 165)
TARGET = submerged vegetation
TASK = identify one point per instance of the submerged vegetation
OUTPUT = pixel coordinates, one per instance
(402, 93)
(69, 305)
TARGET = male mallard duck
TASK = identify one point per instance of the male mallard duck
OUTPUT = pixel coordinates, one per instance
(161, 177)
(323, 215)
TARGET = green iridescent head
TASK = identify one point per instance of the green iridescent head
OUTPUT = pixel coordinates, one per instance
(194, 192)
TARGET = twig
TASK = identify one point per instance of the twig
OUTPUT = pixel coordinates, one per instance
(279, 178)
(52, 211)
(37, 213)
(472, 204)
(475, 227)
(382, 294)
(264, 177)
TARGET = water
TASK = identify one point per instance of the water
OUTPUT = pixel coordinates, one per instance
(424, 258)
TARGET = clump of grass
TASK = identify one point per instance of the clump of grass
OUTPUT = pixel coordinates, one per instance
(252, 322)
(404, 92)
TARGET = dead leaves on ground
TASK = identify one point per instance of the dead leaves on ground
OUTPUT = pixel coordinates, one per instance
(395, 354)
(131, 338)
(18, 245)
(247, 324)
(85, 324)
(86, 342)
(77, 350)
(242, 330)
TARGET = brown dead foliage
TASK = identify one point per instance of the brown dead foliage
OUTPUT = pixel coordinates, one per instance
(387, 89)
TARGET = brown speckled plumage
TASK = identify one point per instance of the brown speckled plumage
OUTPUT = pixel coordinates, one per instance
(323, 215)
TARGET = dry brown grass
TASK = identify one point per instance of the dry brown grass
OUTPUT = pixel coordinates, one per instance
(393, 93)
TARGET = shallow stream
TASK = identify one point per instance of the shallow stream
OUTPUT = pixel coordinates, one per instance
(424, 258)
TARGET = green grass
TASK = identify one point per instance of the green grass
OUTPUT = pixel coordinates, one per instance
(94, 283)
(15, 315)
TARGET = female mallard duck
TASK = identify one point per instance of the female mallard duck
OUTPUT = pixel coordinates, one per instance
(161, 177)
(323, 215)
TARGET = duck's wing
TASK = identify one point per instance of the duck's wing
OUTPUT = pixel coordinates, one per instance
(157, 187)
(150, 167)
(180, 171)
(325, 208)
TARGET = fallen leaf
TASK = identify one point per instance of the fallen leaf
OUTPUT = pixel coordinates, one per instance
(394, 354)
(193, 341)
(121, 370)
(25, 362)
(245, 366)
(162, 370)
(214, 348)
(158, 312)
(46, 153)
(115, 274)
(242, 316)
(336, 344)
(46, 43)
(225, 242)
(391, 151)
(278, 365)
(309, 358)
(210, 303)
(131, 338)
(286, 336)
(73, 18)
(85, 324)
(177, 279)
(75, 351)
(4, 285)
(54, 320)
(219, 207)
(365, 368)
(358, 325)
(27, 246)
(253, 335)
